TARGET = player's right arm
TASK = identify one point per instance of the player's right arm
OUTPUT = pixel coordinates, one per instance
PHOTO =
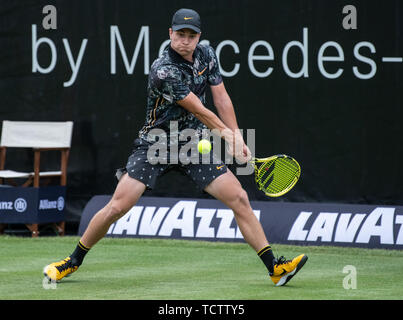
(234, 141)
(168, 79)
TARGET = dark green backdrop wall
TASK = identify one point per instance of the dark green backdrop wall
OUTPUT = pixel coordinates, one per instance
(346, 131)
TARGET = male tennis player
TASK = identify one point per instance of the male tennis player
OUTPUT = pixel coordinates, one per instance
(176, 92)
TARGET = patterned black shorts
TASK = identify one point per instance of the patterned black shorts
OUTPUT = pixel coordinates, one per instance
(139, 167)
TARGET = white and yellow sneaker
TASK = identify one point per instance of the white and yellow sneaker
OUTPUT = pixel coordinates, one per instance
(58, 270)
(284, 269)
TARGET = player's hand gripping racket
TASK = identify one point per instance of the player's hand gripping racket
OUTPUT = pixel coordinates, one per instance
(276, 175)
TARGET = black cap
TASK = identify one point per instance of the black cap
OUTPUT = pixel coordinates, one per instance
(186, 18)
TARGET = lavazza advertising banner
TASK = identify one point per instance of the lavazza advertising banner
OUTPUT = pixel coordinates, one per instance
(368, 226)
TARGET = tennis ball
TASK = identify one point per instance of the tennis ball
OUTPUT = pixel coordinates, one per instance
(204, 146)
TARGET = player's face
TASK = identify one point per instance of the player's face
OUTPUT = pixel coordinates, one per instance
(184, 41)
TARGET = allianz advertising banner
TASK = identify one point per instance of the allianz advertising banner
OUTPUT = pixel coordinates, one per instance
(32, 205)
(367, 226)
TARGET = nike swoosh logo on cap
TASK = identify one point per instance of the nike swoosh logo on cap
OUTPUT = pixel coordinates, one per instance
(188, 18)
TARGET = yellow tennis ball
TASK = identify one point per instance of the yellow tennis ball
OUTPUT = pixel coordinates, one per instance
(204, 146)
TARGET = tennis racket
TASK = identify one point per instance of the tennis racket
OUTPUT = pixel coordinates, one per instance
(276, 175)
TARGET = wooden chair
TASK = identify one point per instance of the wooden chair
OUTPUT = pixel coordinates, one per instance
(41, 137)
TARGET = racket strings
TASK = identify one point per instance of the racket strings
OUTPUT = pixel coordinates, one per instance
(277, 175)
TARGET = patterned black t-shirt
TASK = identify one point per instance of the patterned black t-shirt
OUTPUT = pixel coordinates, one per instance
(171, 79)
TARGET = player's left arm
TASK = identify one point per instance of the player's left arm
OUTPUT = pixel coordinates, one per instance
(221, 99)
(224, 106)
(226, 112)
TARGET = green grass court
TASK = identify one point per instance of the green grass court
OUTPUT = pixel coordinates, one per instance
(186, 270)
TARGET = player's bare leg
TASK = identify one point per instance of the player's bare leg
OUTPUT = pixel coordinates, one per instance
(227, 189)
(126, 195)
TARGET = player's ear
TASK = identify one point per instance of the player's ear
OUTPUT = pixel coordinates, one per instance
(170, 33)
